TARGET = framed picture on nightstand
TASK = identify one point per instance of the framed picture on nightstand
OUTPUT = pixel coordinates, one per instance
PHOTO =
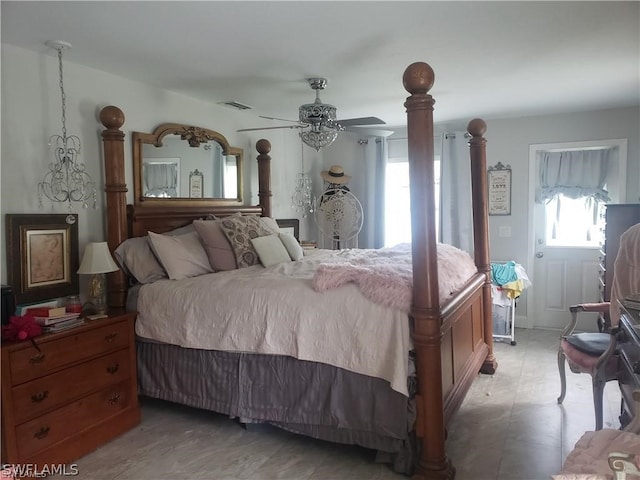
(42, 256)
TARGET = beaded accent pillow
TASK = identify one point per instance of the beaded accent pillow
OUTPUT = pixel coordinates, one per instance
(239, 231)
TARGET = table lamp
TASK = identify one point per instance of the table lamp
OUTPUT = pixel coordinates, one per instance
(97, 261)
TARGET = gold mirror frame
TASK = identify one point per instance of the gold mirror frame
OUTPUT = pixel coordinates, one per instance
(194, 136)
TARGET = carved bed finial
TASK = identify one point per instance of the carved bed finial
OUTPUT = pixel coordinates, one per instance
(418, 78)
(477, 127)
(112, 117)
(263, 146)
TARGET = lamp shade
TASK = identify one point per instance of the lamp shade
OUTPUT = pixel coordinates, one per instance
(97, 259)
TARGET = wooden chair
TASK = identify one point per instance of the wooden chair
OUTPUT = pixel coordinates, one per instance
(592, 353)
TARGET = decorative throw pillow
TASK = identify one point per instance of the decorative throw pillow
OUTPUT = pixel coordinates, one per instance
(218, 249)
(270, 224)
(271, 250)
(239, 231)
(291, 244)
(136, 258)
(181, 256)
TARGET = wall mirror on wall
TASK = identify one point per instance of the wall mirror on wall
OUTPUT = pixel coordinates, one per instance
(164, 163)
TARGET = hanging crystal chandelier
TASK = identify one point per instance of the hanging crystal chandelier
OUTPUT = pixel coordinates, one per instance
(302, 199)
(66, 179)
(321, 118)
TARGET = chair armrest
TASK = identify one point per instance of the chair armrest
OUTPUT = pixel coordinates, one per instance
(602, 307)
(582, 307)
(623, 463)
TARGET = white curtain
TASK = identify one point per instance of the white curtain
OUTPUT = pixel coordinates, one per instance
(372, 234)
(161, 179)
(456, 216)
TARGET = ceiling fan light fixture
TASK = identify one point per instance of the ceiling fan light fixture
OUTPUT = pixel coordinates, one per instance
(320, 138)
(321, 118)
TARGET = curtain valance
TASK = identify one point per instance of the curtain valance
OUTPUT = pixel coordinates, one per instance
(574, 173)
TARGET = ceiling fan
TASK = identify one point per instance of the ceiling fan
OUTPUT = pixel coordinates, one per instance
(318, 123)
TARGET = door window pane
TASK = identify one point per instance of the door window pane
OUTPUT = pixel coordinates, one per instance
(574, 222)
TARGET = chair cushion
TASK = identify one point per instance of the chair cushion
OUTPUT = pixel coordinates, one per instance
(590, 343)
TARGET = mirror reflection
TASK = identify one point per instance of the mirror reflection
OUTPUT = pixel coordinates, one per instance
(181, 162)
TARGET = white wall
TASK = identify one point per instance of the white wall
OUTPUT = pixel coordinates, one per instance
(31, 114)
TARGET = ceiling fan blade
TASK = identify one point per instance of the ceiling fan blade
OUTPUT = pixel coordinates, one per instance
(268, 128)
(281, 119)
(370, 132)
(348, 122)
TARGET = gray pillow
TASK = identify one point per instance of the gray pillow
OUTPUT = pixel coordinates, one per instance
(138, 260)
(219, 252)
(182, 256)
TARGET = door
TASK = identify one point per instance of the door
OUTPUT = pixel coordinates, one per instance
(565, 272)
(564, 275)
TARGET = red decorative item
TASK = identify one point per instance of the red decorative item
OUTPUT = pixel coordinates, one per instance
(21, 328)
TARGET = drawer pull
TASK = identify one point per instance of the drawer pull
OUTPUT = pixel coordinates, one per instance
(111, 337)
(115, 398)
(43, 432)
(37, 358)
(40, 396)
(113, 368)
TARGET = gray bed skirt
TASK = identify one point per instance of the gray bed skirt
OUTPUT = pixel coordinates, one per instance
(309, 398)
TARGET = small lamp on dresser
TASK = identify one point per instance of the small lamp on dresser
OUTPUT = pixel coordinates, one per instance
(97, 261)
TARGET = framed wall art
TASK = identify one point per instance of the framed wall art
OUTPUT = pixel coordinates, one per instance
(196, 179)
(42, 256)
(499, 184)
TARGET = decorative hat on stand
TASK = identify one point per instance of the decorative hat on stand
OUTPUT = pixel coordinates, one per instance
(335, 174)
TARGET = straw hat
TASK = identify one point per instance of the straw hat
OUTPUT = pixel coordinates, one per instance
(335, 174)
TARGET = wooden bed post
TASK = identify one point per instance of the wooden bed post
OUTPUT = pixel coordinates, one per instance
(116, 189)
(432, 463)
(264, 176)
(477, 128)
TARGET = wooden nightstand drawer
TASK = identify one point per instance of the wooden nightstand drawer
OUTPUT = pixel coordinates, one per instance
(29, 363)
(53, 427)
(32, 398)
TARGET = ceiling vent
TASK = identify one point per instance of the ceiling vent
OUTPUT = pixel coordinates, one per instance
(236, 105)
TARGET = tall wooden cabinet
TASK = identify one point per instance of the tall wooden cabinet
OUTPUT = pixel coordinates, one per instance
(618, 218)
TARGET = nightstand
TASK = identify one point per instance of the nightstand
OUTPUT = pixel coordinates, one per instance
(70, 392)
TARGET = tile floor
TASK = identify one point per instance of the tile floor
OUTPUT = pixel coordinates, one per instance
(508, 428)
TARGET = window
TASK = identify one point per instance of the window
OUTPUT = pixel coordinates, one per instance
(397, 201)
(573, 222)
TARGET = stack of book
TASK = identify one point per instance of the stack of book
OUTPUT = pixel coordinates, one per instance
(54, 319)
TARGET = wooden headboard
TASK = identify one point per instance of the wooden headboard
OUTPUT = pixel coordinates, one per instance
(126, 221)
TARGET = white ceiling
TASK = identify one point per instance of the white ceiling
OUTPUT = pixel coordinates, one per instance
(491, 59)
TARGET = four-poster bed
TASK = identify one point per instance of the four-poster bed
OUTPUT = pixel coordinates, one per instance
(452, 342)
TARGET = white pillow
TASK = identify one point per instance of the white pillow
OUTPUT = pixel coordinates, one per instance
(181, 256)
(292, 246)
(270, 250)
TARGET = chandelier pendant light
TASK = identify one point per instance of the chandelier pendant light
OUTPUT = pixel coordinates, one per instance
(302, 199)
(323, 126)
(66, 180)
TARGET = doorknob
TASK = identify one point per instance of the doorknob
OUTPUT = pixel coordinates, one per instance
(539, 254)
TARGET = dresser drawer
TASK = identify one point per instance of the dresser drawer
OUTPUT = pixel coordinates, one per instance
(32, 398)
(29, 363)
(70, 420)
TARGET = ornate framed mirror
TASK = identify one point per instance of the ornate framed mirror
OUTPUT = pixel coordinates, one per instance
(164, 163)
